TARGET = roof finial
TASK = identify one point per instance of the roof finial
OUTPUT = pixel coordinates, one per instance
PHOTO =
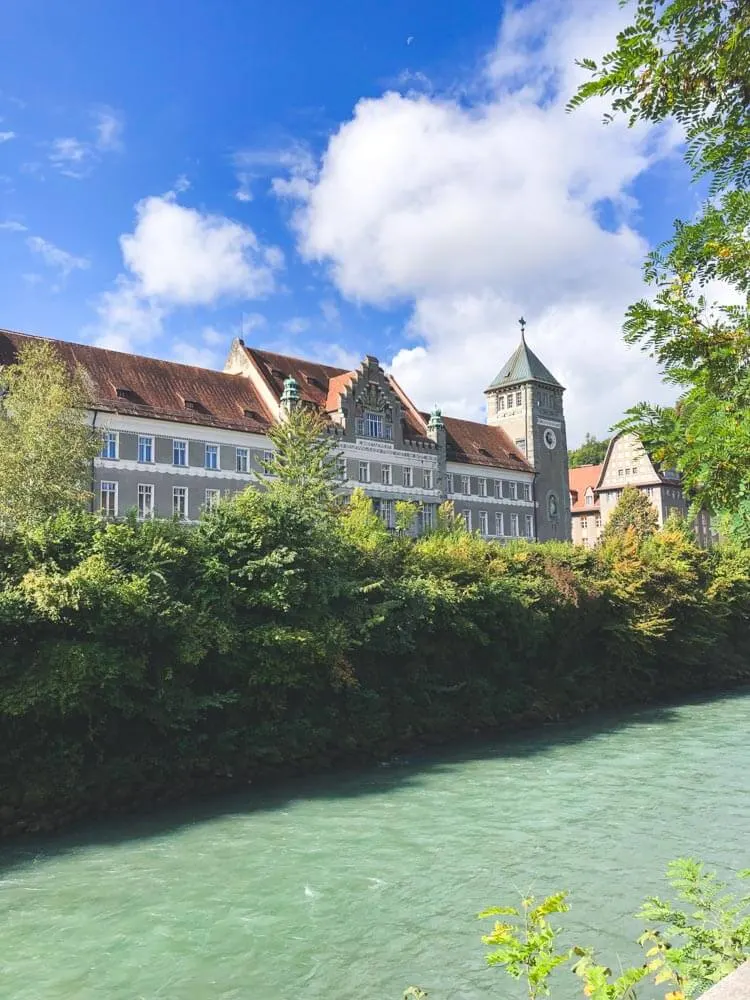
(522, 324)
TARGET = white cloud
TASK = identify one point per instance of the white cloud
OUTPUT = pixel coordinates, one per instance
(7, 136)
(193, 354)
(12, 226)
(213, 337)
(184, 257)
(77, 158)
(179, 257)
(473, 213)
(253, 164)
(243, 192)
(251, 322)
(56, 258)
(108, 125)
(330, 312)
(182, 184)
(295, 325)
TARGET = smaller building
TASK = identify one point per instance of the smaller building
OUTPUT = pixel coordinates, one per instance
(595, 490)
(585, 513)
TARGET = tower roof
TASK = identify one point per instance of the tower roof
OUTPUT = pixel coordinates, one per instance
(523, 366)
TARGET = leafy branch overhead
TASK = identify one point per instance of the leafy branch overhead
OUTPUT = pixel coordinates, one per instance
(689, 60)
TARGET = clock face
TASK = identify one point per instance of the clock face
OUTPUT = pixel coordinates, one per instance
(550, 438)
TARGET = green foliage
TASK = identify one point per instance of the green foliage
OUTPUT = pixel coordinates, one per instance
(690, 60)
(634, 512)
(591, 452)
(303, 460)
(688, 947)
(46, 448)
(146, 658)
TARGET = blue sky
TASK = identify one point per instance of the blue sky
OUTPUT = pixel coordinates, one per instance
(396, 178)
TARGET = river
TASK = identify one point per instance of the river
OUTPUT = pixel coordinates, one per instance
(356, 885)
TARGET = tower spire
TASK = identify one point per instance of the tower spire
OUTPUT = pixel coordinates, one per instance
(522, 324)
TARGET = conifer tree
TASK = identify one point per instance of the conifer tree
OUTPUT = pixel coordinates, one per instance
(303, 458)
(635, 511)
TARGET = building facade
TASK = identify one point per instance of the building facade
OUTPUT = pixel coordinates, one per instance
(595, 490)
(177, 438)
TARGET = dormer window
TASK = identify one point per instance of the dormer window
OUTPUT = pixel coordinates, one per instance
(122, 393)
(191, 404)
(311, 380)
(251, 414)
(278, 373)
(589, 498)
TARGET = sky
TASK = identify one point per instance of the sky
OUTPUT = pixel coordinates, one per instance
(389, 177)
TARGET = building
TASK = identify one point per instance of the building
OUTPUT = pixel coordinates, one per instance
(596, 489)
(176, 437)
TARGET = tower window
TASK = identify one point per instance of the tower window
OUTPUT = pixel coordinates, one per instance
(521, 444)
(510, 400)
(500, 400)
(519, 397)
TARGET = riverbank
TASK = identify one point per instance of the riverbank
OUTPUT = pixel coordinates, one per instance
(357, 883)
(146, 662)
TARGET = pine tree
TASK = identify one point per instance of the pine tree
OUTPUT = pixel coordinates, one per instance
(46, 446)
(635, 511)
(303, 460)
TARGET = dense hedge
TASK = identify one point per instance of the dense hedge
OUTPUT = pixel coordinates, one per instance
(143, 660)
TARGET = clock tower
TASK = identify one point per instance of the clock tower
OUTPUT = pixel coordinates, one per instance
(526, 400)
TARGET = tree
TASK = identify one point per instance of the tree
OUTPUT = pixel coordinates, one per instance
(634, 511)
(303, 460)
(690, 60)
(591, 452)
(46, 446)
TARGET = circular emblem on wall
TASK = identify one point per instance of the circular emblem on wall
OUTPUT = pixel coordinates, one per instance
(550, 438)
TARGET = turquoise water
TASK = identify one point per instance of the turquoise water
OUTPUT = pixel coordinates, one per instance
(353, 886)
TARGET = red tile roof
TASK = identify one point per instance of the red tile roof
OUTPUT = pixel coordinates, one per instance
(579, 480)
(336, 386)
(157, 389)
(481, 444)
(311, 377)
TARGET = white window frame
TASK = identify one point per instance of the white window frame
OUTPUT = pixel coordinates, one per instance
(500, 402)
(466, 515)
(466, 486)
(217, 453)
(212, 498)
(267, 456)
(386, 474)
(407, 476)
(510, 400)
(150, 488)
(113, 493)
(146, 441)
(342, 468)
(364, 472)
(484, 527)
(499, 523)
(514, 526)
(373, 424)
(178, 444)
(180, 510)
(529, 526)
(428, 480)
(449, 482)
(525, 491)
(482, 487)
(513, 491)
(242, 459)
(519, 398)
(427, 512)
(498, 489)
(385, 512)
(110, 438)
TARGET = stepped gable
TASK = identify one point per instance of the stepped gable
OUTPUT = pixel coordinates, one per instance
(482, 444)
(163, 390)
(579, 480)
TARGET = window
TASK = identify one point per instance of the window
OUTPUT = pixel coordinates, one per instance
(513, 490)
(364, 472)
(514, 525)
(498, 489)
(529, 526)
(635, 470)
(501, 402)
(552, 508)
(145, 501)
(386, 512)
(267, 457)
(180, 502)
(482, 487)
(212, 456)
(589, 498)
(620, 472)
(525, 491)
(243, 460)
(108, 499)
(449, 482)
(499, 523)
(428, 479)
(109, 444)
(179, 453)
(510, 400)
(212, 499)
(598, 521)
(484, 529)
(408, 478)
(466, 514)
(145, 448)
(465, 485)
(519, 397)
(521, 444)
(374, 424)
(385, 475)
(427, 515)
(343, 472)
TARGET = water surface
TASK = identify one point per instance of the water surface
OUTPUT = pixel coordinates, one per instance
(353, 886)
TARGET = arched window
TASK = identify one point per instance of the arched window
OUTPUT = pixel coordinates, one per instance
(552, 506)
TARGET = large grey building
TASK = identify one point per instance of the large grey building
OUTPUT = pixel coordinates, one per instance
(176, 437)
